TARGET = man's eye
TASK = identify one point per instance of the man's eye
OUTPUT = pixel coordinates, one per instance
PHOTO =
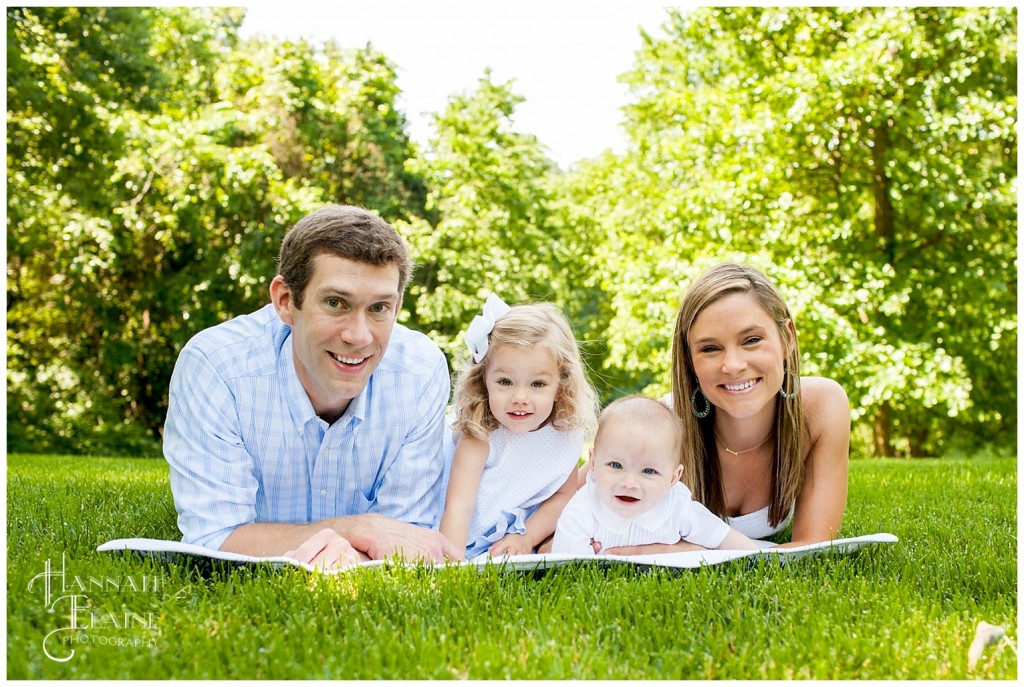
(380, 311)
(333, 303)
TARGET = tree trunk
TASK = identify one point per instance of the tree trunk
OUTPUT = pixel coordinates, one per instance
(883, 432)
(885, 216)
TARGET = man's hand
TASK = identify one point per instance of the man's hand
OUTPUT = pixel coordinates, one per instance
(382, 537)
(326, 550)
(511, 545)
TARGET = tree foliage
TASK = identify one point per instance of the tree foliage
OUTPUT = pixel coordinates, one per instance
(154, 163)
(865, 158)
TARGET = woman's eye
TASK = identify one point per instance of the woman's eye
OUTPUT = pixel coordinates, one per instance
(752, 340)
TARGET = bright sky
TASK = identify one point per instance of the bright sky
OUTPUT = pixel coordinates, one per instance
(563, 55)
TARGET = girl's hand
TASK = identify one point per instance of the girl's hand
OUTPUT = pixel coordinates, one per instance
(512, 545)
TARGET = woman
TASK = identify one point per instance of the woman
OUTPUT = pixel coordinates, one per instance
(762, 446)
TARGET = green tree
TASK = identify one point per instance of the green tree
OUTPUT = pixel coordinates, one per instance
(866, 159)
(150, 181)
(490, 188)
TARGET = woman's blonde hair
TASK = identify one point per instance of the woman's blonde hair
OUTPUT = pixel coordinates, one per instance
(526, 326)
(701, 467)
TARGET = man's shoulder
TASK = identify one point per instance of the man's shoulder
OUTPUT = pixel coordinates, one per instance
(244, 344)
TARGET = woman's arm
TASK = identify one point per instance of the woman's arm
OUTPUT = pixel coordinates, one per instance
(541, 524)
(820, 505)
(463, 485)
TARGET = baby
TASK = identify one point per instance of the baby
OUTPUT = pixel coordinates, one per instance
(633, 495)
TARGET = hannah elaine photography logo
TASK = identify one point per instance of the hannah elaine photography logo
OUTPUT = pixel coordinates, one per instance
(83, 623)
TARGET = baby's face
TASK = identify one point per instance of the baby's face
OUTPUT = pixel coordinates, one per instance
(633, 467)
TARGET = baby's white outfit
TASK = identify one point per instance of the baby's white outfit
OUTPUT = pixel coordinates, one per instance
(677, 517)
(522, 472)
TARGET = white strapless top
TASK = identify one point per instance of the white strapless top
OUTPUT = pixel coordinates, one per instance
(755, 525)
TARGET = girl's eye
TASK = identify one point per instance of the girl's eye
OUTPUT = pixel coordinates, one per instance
(538, 385)
(504, 381)
(708, 349)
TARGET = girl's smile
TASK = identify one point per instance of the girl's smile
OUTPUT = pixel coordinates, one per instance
(522, 385)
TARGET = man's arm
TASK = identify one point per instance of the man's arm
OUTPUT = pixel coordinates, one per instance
(213, 477)
(328, 542)
(410, 487)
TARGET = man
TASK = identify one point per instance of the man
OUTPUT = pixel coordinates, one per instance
(313, 427)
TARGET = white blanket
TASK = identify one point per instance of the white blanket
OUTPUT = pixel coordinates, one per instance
(175, 550)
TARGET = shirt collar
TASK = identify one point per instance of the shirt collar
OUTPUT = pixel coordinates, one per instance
(650, 520)
(299, 405)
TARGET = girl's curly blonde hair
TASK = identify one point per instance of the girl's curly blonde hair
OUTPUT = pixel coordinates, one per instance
(526, 326)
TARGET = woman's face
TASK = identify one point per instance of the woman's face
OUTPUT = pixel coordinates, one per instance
(738, 355)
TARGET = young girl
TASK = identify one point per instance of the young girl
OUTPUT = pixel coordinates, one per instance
(523, 405)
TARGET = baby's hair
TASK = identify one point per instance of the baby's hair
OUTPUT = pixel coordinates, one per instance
(526, 326)
(643, 413)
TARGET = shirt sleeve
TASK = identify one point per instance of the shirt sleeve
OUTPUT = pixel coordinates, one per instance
(575, 527)
(699, 525)
(213, 477)
(410, 489)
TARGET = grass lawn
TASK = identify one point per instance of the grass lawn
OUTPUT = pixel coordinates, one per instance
(903, 611)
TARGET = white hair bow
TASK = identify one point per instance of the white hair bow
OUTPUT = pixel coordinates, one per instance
(482, 326)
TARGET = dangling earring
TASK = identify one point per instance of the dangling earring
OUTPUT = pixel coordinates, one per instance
(795, 385)
(693, 403)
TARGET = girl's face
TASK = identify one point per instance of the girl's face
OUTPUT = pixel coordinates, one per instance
(738, 355)
(522, 385)
(633, 468)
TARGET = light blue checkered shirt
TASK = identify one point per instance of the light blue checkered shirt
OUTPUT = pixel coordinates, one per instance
(244, 444)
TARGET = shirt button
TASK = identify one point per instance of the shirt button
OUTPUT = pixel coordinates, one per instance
(323, 492)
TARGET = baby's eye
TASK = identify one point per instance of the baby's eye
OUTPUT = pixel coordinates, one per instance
(650, 471)
(615, 465)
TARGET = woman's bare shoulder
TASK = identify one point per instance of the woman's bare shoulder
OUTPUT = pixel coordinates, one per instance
(824, 399)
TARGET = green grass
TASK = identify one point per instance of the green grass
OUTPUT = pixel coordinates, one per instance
(904, 611)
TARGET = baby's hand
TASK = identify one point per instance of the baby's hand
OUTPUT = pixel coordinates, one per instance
(512, 544)
(596, 545)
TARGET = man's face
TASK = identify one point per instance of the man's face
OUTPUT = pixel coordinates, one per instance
(342, 330)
